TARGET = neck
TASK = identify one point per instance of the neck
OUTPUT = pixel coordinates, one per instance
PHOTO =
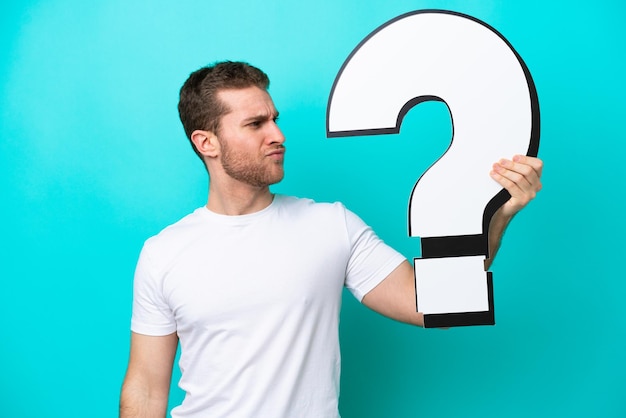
(241, 200)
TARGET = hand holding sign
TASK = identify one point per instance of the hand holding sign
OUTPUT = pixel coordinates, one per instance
(453, 58)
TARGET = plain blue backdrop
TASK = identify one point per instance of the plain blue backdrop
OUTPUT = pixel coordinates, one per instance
(93, 161)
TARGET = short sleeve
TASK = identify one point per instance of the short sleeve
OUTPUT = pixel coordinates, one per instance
(371, 260)
(151, 313)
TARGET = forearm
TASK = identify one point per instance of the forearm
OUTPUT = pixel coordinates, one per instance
(138, 401)
(521, 177)
(497, 226)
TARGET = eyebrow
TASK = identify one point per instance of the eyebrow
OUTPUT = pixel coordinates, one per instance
(261, 117)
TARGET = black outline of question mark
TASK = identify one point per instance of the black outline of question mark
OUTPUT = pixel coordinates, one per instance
(461, 245)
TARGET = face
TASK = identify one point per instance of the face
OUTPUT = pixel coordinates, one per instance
(251, 143)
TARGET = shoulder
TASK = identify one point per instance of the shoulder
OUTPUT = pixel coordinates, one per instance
(306, 204)
(175, 235)
(290, 206)
(328, 216)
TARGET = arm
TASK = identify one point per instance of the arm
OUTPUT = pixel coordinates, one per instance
(147, 383)
(521, 177)
(395, 296)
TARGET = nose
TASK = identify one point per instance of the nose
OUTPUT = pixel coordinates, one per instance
(275, 135)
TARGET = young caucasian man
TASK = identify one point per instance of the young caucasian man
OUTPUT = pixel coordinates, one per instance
(250, 285)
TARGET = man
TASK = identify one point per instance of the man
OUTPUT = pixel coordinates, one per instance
(251, 283)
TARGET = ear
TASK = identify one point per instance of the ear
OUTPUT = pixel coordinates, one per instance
(206, 143)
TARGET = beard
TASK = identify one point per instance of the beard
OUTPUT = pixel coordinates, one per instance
(254, 170)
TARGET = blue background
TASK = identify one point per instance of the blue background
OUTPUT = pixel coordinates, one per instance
(93, 160)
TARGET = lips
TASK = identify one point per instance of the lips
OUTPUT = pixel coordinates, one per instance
(276, 153)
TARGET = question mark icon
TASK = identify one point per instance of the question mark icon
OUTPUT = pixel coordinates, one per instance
(458, 60)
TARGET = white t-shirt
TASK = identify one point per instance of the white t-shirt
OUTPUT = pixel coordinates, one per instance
(255, 301)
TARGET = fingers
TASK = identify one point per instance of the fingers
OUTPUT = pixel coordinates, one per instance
(521, 177)
(522, 172)
(534, 162)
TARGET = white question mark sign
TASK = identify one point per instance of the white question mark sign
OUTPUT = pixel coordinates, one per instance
(463, 62)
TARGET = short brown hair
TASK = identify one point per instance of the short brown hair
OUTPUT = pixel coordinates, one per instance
(199, 106)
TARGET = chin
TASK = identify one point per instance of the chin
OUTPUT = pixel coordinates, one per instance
(276, 181)
(277, 178)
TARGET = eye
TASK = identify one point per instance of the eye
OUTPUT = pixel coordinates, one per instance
(255, 124)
